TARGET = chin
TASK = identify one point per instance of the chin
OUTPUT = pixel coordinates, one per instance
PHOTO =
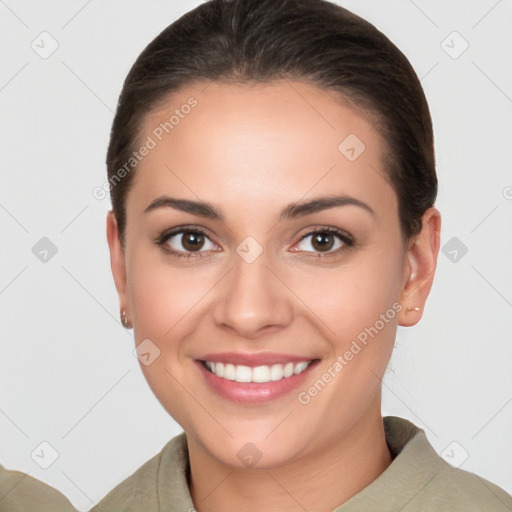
(247, 448)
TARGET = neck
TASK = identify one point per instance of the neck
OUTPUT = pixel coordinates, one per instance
(321, 482)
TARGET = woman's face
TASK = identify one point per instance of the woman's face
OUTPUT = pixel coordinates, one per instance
(259, 281)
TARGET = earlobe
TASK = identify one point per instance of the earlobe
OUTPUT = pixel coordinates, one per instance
(117, 260)
(421, 265)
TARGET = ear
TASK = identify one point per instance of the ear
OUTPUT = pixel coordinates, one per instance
(420, 268)
(117, 260)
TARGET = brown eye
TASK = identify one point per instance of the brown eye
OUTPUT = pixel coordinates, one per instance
(186, 242)
(192, 241)
(329, 241)
(323, 241)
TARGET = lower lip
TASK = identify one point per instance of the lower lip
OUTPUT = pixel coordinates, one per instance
(254, 392)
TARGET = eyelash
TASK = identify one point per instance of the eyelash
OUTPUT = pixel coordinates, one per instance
(162, 239)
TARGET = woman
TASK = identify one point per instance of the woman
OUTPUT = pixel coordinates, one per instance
(272, 177)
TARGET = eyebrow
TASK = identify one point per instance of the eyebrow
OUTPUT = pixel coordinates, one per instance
(292, 211)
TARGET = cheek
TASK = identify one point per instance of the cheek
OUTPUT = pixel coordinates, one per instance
(162, 295)
(353, 296)
(162, 301)
(356, 308)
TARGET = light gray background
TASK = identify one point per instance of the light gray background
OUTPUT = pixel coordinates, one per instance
(68, 374)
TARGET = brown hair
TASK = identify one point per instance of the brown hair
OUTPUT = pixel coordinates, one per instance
(263, 40)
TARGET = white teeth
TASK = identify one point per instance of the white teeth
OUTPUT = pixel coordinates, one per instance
(260, 374)
(229, 372)
(299, 368)
(276, 372)
(243, 374)
(219, 369)
(288, 370)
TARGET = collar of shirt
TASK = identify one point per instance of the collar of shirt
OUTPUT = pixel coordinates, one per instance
(417, 480)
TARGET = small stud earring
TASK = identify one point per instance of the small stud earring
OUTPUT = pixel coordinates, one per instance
(412, 308)
(124, 320)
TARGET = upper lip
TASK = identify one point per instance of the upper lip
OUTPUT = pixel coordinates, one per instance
(253, 359)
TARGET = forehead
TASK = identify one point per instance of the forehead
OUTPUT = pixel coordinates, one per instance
(258, 142)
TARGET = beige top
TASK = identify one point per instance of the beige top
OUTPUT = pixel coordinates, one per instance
(20, 492)
(418, 480)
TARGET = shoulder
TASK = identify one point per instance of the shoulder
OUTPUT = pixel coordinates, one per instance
(456, 489)
(439, 485)
(20, 492)
(162, 479)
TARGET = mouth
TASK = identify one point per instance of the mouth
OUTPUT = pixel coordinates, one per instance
(259, 374)
(254, 382)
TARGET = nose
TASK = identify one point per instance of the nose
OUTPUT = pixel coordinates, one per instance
(253, 299)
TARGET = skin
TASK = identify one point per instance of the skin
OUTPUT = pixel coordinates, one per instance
(250, 151)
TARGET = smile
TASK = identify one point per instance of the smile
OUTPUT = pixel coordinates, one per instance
(255, 378)
(258, 374)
